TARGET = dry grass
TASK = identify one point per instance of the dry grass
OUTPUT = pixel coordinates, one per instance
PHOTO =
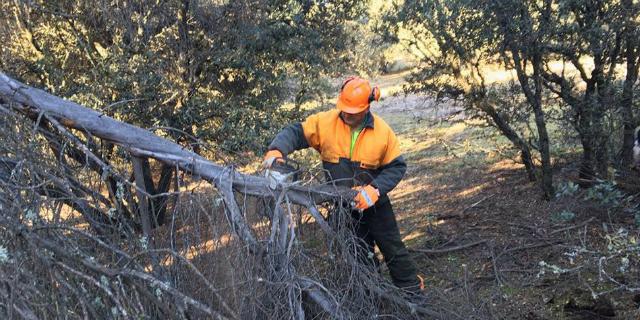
(481, 233)
(459, 189)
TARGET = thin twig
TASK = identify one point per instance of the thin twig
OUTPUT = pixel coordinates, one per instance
(572, 227)
(446, 250)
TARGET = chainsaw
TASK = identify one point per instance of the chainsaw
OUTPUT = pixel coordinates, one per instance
(283, 170)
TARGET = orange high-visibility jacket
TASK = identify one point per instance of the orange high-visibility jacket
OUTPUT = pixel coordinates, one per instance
(376, 157)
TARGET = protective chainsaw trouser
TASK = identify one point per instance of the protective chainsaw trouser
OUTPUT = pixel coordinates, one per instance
(377, 226)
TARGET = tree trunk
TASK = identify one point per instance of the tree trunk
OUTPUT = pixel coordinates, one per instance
(543, 136)
(632, 51)
(512, 135)
(534, 98)
(587, 171)
(519, 56)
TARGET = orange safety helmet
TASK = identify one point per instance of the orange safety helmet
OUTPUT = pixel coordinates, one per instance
(356, 94)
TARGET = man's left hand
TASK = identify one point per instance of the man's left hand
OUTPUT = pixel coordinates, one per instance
(367, 196)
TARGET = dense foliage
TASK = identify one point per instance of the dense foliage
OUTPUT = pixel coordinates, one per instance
(572, 62)
(218, 71)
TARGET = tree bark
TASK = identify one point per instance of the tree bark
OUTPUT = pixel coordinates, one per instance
(512, 135)
(534, 98)
(632, 52)
(144, 143)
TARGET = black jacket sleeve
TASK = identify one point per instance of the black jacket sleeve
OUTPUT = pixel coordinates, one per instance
(390, 175)
(290, 139)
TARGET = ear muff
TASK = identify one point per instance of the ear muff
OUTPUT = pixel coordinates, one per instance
(375, 94)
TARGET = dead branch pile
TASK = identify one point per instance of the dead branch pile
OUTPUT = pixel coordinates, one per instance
(101, 219)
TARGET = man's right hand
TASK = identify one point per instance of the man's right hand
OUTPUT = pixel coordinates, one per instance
(270, 157)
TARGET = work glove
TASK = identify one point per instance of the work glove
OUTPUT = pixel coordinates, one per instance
(421, 280)
(270, 157)
(273, 176)
(367, 196)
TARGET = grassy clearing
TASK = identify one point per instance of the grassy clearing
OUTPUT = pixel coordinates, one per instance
(461, 187)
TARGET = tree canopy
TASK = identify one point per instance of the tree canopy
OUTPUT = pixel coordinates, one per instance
(575, 63)
(227, 66)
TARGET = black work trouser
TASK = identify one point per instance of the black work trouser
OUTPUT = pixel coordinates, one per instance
(377, 226)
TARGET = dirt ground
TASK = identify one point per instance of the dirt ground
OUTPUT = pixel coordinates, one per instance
(487, 243)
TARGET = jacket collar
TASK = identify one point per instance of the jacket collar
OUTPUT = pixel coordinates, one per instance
(368, 119)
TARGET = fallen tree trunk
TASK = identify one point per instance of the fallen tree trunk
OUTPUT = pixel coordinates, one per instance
(142, 143)
(283, 279)
(146, 144)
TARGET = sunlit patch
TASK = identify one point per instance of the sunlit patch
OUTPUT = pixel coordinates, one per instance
(196, 185)
(433, 138)
(471, 191)
(207, 246)
(495, 74)
(63, 213)
(410, 187)
(492, 75)
(505, 165)
(261, 225)
(200, 249)
(450, 132)
(411, 146)
(413, 235)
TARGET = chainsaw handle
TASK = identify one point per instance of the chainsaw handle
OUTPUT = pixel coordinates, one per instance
(287, 163)
(286, 166)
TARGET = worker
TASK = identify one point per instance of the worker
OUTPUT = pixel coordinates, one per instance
(359, 150)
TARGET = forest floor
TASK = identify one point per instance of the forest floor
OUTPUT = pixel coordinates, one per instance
(486, 240)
